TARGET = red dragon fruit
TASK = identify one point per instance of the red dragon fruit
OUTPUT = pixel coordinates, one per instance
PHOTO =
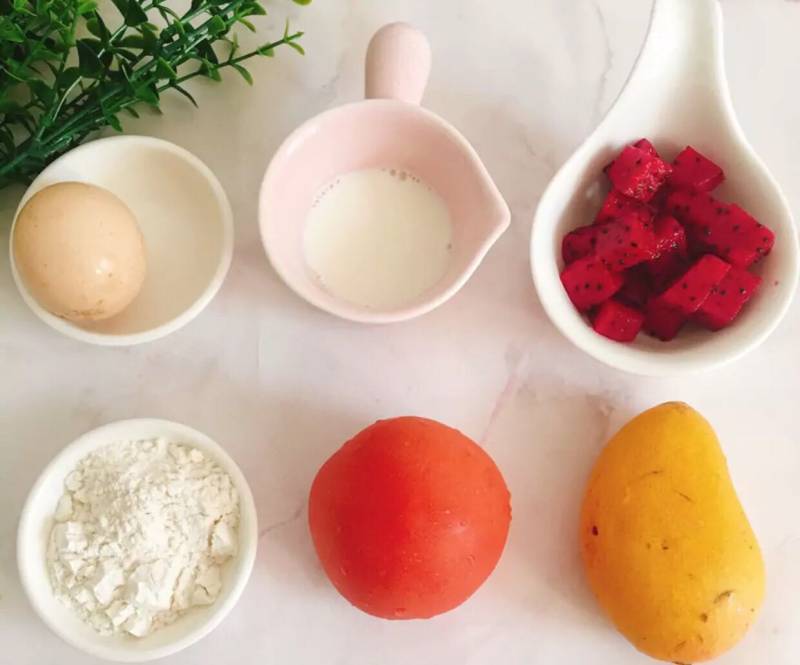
(727, 299)
(671, 252)
(578, 244)
(645, 146)
(690, 291)
(637, 289)
(692, 170)
(618, 322)
(722, 228)
(637, 174)
(617, 205)
(642, 144)
(589, 282)
(625, 242)
(662, 251)
(663, 322)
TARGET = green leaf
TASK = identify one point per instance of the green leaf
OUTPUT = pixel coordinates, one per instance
(135, 14)
(132, 111)
(131, 11)
(9, 106)
(216, 26)
(210, 70)
(255, 9)
(185, 93)
(267, 50)
(86, 7)
(247, 24)
(113, 121)
(302, 2)
(11, 32)
(89, 64)
(122, 7)
(132, 41)
(68, 77)
(96, 26)
(296, 47)
(245, 74)
(43, 92)
(150, 43)
(165, 70)
(147, 95)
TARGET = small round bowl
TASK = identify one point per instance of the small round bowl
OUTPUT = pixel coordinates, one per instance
(37, 520)
(186, 221)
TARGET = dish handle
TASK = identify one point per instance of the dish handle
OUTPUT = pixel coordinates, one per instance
(398, 64)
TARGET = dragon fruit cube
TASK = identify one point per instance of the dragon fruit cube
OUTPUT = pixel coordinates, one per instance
(618, 322)
(638, 174)
(589, 282)
(691, 169)
(578, 244)
(727, 299)
(617, 205)
(691, 290)
(662, 321)
(625, 242)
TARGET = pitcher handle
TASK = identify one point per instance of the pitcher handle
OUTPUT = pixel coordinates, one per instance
(398, 64)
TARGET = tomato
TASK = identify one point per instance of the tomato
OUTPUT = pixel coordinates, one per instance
(409, 518)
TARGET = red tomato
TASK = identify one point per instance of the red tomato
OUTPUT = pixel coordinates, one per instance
(409, 518)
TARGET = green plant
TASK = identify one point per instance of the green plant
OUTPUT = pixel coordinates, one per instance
(66, 71)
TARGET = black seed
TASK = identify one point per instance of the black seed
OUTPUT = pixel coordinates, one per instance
(634, 245)
(720, 211)
(697, 160)
(599, 287)
(638, 162)
(684, 285)
(723, 292)
(742, 290)
(587, 285)
(595, 531)
(692, 298)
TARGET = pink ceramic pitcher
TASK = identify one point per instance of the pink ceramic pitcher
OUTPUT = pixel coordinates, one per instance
(387, 130)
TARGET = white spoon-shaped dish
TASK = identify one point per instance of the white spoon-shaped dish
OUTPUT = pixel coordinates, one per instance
(677, 95)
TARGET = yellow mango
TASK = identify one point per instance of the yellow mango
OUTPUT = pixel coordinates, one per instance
(666, 545)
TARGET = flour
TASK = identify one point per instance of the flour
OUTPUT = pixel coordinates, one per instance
(140, 535)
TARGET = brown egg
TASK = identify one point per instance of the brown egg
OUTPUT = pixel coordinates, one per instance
(79, 251)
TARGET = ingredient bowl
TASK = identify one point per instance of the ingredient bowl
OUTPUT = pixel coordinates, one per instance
(186, 221)
(389, 130)
(37, 520)
(677, 95)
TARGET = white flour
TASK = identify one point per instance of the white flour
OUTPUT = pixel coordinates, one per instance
(140, 534)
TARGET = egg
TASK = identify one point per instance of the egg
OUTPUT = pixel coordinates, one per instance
(79, 251)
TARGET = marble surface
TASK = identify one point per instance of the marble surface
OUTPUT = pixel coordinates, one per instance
(281, 385)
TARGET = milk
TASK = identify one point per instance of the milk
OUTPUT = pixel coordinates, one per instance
(378, 238)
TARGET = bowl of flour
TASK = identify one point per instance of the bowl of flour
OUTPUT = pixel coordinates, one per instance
(137, 540)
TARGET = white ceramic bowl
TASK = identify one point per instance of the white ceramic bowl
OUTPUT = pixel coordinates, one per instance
(37, 520)
(186, 221)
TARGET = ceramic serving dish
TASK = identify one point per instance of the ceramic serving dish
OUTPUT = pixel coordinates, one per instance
(186, 221)
(677, 95)
(37, 520)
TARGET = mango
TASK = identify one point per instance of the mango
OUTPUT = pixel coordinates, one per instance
(667, 548)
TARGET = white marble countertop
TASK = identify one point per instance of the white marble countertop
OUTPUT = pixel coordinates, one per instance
(281, 385)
